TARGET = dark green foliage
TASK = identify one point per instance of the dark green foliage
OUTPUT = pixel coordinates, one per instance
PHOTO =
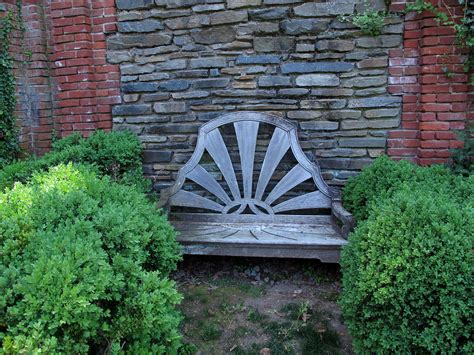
(9, 146)
(408, 268)
(85, 266)
(381, 179)
(371, 22)
(408, 274)
(115, 154)
(462, 159)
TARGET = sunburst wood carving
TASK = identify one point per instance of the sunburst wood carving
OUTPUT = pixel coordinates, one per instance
(246, 125)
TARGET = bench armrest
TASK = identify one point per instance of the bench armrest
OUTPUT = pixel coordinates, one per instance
(344, 216)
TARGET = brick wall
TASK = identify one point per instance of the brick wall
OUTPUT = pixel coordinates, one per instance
(162, 68)
(435, 105)
(67, 84)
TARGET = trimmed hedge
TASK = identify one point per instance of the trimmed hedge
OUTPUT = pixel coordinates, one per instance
(115, 154)
(408, 268)
(84, 267)
(384, 177)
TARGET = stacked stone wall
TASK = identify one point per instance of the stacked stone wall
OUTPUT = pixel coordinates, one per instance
(184, 62)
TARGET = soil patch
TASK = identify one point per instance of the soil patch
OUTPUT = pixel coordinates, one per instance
(261, 306)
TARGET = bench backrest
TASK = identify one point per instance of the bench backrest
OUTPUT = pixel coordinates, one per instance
(253, 197)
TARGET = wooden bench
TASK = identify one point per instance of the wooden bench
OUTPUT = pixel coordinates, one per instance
(236, 211)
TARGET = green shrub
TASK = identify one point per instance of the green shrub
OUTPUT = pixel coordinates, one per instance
(385, 176)
(115, 154)
(84, 266)
(408, 274)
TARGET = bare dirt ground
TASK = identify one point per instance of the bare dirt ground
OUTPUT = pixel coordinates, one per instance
(261, 306)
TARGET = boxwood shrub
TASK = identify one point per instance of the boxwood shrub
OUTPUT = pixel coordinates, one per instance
(408, 268)
(115, 154)
(84, 267)
(385, 176)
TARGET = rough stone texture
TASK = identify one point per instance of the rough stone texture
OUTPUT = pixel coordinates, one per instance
(184, 62)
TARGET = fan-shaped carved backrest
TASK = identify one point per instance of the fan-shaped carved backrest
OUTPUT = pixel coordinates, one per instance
(246, 125)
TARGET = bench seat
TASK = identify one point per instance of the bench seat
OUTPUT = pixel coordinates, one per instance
(284, 236)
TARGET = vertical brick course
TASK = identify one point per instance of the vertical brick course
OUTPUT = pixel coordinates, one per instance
(439, 102)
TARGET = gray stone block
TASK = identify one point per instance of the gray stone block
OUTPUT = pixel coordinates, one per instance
(156, 156)
(273, 44)
(174, 64)
(371, 91)
(277, 13)
(211, 62)
(234, 4)
(154, 77)
(133, 4)
(223, 17)
(208, 8)
(380, 101)
(379, 62)
(173, 4)
(293, 92)
(121, 41)
(139, 87)
(258, 59)
(169, 107)
(223, 34)
(131, 69)
(384, 41)
(327, 104)
(273, 80)
(340, 152)
(174, 85)
(317, 80)
(374, 124)
(148, 25)
(332, 92)
(303, 26)
(281, 2)
(304, 115)
(342, 114)
(116, 57)
(335, 45)
(127, 110)
(196, 73)
(345, 163)
(211, 83)
(362, 142)
(190, 95)
(333, 8)
(385, 112)
(319, 125)
(365, 82)
(316, 67)
(194, 21)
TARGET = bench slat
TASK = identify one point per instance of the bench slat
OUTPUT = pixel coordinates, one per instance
(246, 132)
(278, 146)
(304, 202)
(202, 177)
(293, 178)
(188, 199)
(217, 149)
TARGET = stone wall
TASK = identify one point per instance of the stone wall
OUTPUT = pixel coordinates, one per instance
(184, 62)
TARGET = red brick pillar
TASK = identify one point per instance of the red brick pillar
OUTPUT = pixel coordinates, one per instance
(429, 73)
(86, 86)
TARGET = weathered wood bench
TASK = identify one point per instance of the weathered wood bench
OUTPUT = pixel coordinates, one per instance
(242, 214)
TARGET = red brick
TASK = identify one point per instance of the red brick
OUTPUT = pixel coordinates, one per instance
(434, 126)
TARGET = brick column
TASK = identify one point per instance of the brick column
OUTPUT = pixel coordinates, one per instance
(86, 86)
(429, 73)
